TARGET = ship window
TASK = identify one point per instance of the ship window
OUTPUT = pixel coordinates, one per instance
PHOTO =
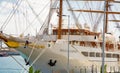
(74, 33)
(92, 54)
(108, 55)
(78, 32)
(76, 42)
(64, 33)
(70, 42)
(101, 54)
(54, 33)
(73, 42)
(114, 55)
(97, 54)
(69, 33)
(85, 53)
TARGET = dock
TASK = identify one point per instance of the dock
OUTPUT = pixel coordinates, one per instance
(8, 52)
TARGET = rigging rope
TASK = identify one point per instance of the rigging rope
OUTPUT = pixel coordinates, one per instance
(33, 11)
(15, 20)
(55, 3)
(38, 56)
(19, 63)
(97, 22)
(34, 48)
(11, 15)
(36, 43)
(98, 18)
(27, 21)
(74, 16)
(117, 24)
(81, 12)
(47, 20)
(32, 51)
(10, 69)
(36, 17)
(89, 13)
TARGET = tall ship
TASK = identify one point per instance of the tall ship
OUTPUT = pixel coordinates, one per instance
(72, 49)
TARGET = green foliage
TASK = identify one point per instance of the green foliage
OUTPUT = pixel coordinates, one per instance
(37, 71)
(32, 71)
(105, 69)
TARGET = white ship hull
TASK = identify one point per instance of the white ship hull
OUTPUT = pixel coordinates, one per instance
(78, 62)
(55, 53)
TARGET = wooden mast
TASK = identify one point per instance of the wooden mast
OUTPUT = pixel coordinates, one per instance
(60, 20)
(95, 11)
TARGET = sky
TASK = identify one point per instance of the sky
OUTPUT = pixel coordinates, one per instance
(23, 16)
(28, 9)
